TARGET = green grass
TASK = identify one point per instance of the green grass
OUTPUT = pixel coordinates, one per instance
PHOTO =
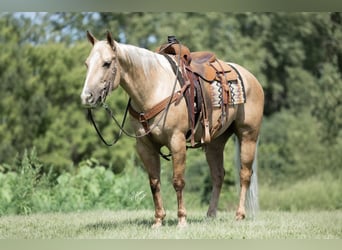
(136, 225)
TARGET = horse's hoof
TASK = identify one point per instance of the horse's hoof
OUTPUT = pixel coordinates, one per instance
(157, 224)
(239, 217)
(211, 214)
(182, 223)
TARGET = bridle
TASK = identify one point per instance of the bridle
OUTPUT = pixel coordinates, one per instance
(108, 80)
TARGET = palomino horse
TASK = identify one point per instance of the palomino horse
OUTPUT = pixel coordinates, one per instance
(148, 78)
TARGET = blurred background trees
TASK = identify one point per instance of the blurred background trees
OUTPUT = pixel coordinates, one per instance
(296, 56)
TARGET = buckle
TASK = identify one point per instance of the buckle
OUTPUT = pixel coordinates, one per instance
(142, 118)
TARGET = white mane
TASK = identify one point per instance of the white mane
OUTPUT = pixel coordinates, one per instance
(142, 58)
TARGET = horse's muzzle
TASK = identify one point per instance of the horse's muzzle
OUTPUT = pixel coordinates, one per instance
(89, 100)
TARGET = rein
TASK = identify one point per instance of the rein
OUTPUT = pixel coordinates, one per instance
(110, 113)
(121, 127)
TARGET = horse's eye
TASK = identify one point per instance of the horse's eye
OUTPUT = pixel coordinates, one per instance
(106, 64)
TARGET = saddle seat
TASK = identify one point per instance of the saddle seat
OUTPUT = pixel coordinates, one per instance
(206, 65)
(201, 57)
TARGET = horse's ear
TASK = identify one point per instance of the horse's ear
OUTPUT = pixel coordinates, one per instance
(110, 39)
(91, 38)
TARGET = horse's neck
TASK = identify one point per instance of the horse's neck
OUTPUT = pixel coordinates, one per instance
(144, 75)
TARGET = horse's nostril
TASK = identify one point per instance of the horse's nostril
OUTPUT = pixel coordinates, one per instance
(87, 98)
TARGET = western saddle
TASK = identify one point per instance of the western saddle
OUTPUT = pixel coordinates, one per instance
(193, 68)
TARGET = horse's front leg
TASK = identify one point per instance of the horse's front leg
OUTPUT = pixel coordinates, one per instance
(151, 161)
(178, 150)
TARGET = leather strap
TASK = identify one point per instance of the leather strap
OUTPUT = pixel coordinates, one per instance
(144, 117)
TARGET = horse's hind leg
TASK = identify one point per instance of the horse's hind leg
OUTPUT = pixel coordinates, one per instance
(248, 142)
(151, 161)
(214, 155)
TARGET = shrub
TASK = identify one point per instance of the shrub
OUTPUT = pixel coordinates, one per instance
(90, 186)
(18, 189)
(321, 192)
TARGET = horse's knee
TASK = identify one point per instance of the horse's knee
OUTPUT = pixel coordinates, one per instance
(221, 174)
(178, 184)
(155, 185)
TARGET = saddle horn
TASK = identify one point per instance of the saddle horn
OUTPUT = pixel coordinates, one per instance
(172, 39)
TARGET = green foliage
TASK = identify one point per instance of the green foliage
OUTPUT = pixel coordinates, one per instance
(18, 189)
(328, 102)
(89, 186)
(98, 188)
(290, 146)
(320, 192)
(41, 106)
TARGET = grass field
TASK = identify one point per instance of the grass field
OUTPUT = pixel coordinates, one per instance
(136, 225)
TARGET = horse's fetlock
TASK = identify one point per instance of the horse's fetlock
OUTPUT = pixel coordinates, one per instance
(181, 213)
(160, 215)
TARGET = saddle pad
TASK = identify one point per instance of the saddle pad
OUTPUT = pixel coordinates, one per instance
(237, 93)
